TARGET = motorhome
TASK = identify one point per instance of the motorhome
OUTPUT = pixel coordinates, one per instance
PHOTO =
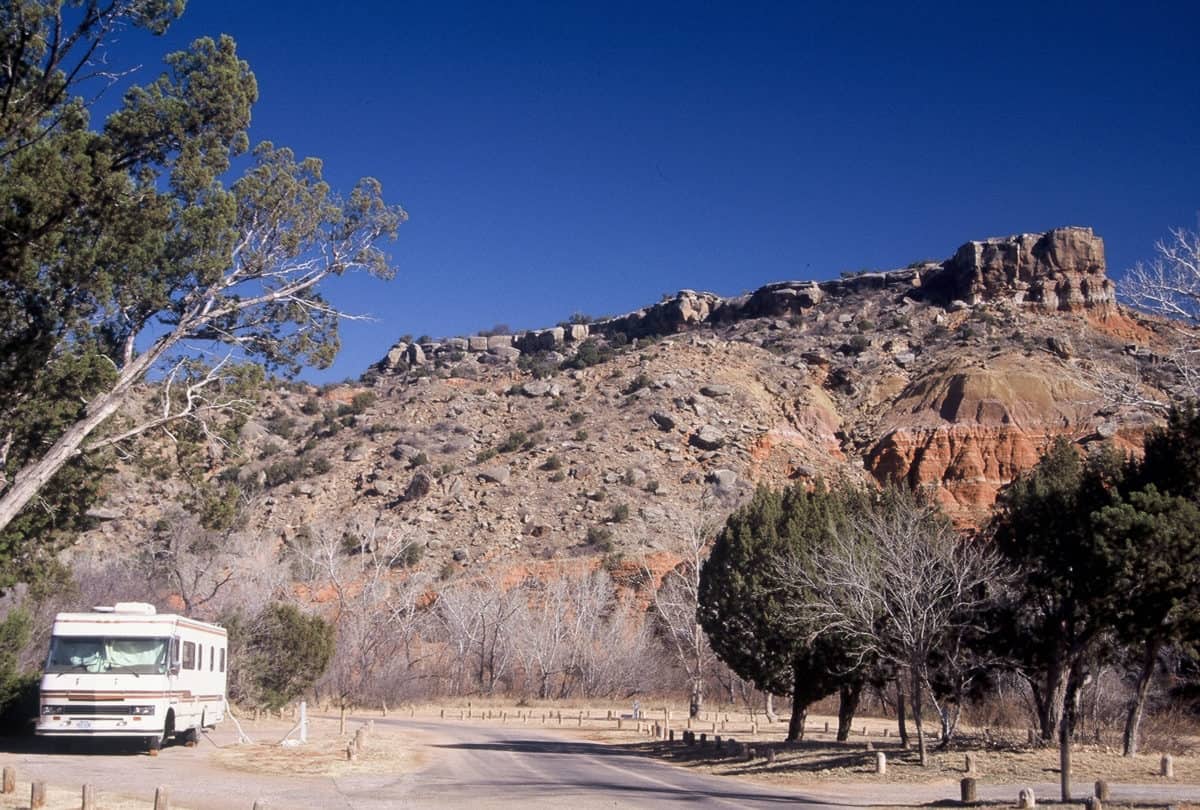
(128, 671)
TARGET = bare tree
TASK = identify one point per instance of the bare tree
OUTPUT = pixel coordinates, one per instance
(1169, 284)
(376, 603)
(677, 600)
(477, 620)
(899, 584)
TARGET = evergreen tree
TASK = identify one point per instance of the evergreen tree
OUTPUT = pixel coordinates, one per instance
(740, 605)
(1055, 624)
(1155, 534)
(121, 244)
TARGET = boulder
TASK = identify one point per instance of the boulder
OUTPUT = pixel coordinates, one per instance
(506, 353)
(499, 341)
(536, 388)
(716, 391)
(415, 355)
(662, 421)
(477, 343)
(708, 438)
(498, 474)
(576, 332)
(460, 555)
(723, 479)
(419, 487)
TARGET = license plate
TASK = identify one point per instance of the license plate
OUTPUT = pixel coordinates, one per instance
(83, 724)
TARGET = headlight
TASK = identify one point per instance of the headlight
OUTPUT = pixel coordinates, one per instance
(141, 710)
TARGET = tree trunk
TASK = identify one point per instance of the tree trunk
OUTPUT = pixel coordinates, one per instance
(901, 720)
(29, 480)
(1050, 702)
(1066, 729)
(799, 707)
(772, 717)
(697, 701)
(915, 686)
(1138, 705)
(848, 697)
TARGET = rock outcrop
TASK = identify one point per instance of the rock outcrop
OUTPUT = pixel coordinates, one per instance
(1060, 270)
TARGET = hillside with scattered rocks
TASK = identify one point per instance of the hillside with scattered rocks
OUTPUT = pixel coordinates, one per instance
(502, 453)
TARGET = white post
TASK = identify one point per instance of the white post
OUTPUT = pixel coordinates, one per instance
(303, 721)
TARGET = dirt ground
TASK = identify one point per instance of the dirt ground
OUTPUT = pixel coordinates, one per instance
(385, 751)
(818, 762)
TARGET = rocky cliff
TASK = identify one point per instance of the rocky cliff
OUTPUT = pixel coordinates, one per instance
(506, 451)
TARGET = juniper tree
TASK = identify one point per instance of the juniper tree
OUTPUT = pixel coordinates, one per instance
(742, 611)
(127, 251)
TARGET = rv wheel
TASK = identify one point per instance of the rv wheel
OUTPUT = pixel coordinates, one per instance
(152, 745)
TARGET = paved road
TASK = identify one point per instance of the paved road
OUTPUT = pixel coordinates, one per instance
(486, 767)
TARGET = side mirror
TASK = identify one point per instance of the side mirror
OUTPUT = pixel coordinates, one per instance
(174, 669)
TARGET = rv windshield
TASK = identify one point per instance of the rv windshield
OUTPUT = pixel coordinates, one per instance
(140, 656)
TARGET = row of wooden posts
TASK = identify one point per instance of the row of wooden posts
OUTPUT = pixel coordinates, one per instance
(87, 799)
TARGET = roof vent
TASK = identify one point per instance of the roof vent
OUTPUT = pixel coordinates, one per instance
(140, 608)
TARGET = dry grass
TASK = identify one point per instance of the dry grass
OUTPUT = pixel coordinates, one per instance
(386, 751)
(62, 799)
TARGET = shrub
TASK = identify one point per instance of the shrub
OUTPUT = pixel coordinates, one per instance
(651, 486)
(558, 477)
(591, 352)
(281, 425)
(857, 344)
(485, 455)
(311, 406)
(620, 513)
(642, 380)
(553, 463)
(866, 325)
(600, 537)
(409, 556)
(276, 656)
(576, 418)
(513, 442)
(320, 465)
(361, 401)
(419, 460)
(284, 471)
(581, 435)
(447, 570)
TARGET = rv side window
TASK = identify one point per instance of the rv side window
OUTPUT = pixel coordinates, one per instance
(189, 655)
(200, 656)
(212, 654)
(222, 659)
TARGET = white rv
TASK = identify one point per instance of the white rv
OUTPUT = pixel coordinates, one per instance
(127, 671)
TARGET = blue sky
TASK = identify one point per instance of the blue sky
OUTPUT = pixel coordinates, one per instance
(561, 157)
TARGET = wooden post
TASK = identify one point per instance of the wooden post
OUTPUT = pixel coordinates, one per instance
(383, 707)
(350, 752)
(826, 726)
(670, 735)
(1026, 800)
(87, 800)
(1168, 766)
(442, 714)
(1029, 736)
(620, 722)
(9, 783)
(360, 740)
(970, 764)
(864, 731)
(967, 790)
(1102, 790)
(703, 740)
(1093, 803)
(37, 795)
(162, 800)
(770, 756)
(880, 763)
